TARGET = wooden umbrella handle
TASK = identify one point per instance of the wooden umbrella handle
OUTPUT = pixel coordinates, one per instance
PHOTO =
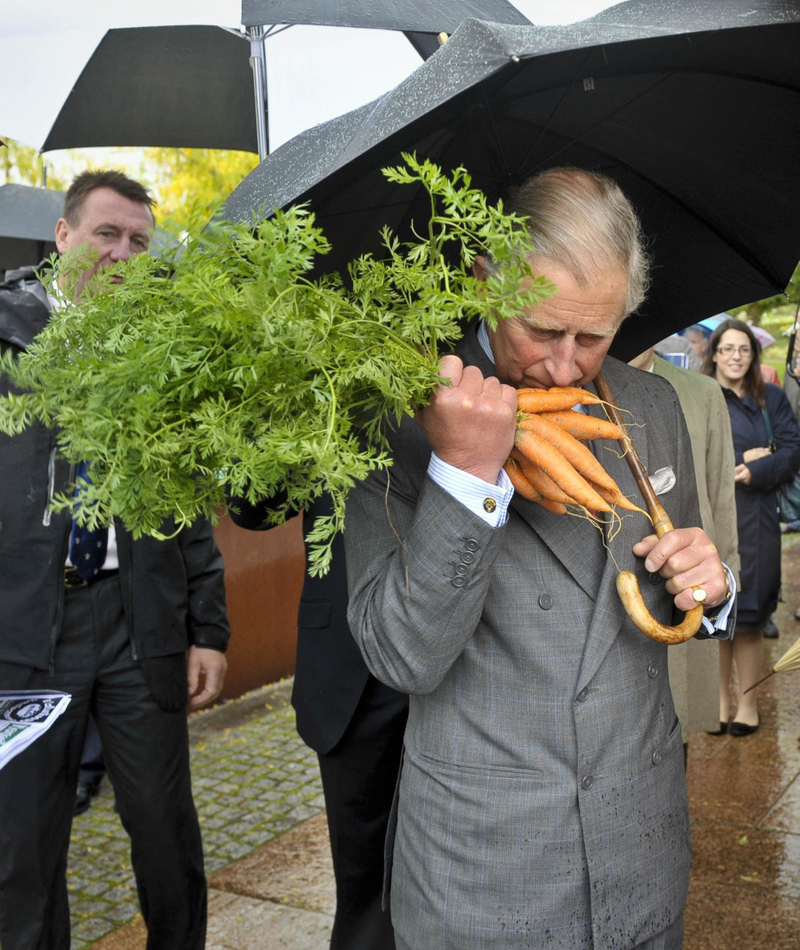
(627, 582)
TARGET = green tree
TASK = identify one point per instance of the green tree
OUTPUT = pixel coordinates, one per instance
(770, 308)
(21, 164)
(190, 181)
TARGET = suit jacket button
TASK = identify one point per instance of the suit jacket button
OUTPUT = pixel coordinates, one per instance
(545, 601)
(656, 757)
(583, 695)
(587, 781)
(459, 580)
(471, 544)
(652, 671)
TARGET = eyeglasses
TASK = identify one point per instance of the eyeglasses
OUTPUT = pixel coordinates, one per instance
(729, 349)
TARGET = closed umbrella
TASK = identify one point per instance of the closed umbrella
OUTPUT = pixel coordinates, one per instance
(28, 219)
(673, 99)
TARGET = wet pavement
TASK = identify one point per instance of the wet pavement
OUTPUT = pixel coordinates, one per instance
(271, 884)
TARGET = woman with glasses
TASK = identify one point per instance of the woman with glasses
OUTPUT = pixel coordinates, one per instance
(766, 443)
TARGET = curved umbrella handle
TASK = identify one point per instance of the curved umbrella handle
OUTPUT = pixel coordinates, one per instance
(627, 583)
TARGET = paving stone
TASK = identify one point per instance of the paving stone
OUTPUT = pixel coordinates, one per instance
(243, 923)
(242, 805)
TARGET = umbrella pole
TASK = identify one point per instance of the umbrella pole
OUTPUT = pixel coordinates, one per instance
(758, 682)
(258, 63)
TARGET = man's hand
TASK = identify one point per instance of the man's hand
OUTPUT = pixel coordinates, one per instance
(205, 669)
(688, 559)
(471, 423)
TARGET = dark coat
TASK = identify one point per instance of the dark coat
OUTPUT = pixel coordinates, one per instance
(330, 674)
(757, 503)
(173, 591)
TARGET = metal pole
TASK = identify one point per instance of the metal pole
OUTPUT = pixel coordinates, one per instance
(258, 63)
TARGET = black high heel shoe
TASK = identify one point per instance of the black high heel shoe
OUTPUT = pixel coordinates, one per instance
(723, 728)
(742, 729)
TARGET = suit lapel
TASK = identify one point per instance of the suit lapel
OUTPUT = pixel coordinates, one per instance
(576, 543)
(609, 614)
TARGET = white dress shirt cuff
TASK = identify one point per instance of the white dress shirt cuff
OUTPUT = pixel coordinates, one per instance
(489, 502)
(719, 622)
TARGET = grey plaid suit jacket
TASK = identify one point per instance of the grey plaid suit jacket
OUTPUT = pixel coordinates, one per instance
(542, 800)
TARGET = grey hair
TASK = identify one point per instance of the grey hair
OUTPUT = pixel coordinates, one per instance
(582, 221)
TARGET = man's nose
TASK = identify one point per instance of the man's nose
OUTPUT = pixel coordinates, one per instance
(122, 249)
(561, 366)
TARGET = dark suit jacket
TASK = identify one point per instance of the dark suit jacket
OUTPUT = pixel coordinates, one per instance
(173, 591)
(330, 674)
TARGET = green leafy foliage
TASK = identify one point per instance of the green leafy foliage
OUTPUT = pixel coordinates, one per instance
(230, 367)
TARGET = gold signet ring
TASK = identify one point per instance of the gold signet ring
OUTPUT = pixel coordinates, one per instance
(699, 595)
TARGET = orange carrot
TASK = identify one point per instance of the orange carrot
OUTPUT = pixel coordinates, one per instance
(559, 397)
(540, 480)
(615, 498)
(573, 451)
(560, 470)
(583, 426)
(525, 488)
(520, 481)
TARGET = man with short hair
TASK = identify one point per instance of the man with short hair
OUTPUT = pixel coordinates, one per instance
(129, 628)
(542, 801)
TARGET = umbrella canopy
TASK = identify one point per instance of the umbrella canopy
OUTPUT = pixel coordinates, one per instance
(174, 86)
(193, 86)
(405, 15)
(28, 219)
(672, 99)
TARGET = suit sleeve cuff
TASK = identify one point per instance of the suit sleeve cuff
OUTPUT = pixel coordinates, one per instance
(488, 502)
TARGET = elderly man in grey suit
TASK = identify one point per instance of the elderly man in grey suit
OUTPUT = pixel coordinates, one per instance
(542, 801)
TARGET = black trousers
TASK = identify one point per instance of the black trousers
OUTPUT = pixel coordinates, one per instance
(147, 758)
(358, 778)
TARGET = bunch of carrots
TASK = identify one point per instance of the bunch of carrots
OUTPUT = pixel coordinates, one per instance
(549, 463)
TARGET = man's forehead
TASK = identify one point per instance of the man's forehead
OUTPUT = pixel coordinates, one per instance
(106, 206)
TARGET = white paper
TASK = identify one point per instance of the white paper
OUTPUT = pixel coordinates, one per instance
(25, 715)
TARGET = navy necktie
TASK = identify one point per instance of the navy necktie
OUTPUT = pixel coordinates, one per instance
(87, 547)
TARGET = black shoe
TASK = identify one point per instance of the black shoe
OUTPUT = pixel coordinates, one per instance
(770, 631)
(84, 794)
(742, 729)
(723, 728)
(797, 614)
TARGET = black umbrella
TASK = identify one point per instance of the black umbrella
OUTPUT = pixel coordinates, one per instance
(417, 15)
(193, 86)
(693, 107)
(28, 219)
(173, 86)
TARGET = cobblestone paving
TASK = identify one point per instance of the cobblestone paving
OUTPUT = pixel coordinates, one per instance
(251, 782)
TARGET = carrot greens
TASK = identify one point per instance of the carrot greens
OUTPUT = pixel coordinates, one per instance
(232, 367)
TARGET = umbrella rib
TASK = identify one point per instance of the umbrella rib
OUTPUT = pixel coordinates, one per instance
(730, 240)
(498, 143)
(741, 249)
(529, 171)
(552, 115)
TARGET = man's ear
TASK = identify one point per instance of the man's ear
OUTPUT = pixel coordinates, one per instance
(62, 232)
(480, 269)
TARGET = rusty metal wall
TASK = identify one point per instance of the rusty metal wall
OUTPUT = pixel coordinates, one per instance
(263, 577)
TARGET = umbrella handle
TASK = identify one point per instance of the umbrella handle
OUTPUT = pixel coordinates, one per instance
(627, 583)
